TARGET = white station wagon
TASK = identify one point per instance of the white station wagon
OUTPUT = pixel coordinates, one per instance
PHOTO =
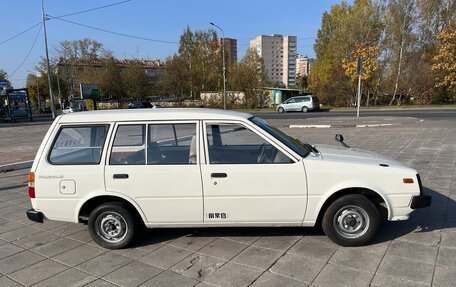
(118, 171)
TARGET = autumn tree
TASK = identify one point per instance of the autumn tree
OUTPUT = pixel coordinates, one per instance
(343, 28)
(445, 61)
(369, 56)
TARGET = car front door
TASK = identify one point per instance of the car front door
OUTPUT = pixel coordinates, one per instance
(156, 164)
(289, 105)
(248, 179)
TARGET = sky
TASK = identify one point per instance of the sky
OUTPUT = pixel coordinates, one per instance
(153, 19)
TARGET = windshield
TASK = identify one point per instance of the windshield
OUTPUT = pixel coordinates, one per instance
(298, 147)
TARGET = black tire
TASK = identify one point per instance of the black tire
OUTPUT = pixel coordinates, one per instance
(351, 220)
(112, 215)
(281, 110)
(305, 109)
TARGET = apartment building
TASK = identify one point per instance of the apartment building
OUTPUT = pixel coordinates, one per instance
(303, 65)
(279, 56)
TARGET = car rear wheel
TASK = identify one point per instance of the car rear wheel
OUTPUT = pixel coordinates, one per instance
(351, 220)
(305, 109)
(111, 225)
(281, 110)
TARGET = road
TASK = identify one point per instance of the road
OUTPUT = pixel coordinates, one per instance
(427, 114)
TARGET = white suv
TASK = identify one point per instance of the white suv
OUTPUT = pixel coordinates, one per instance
(119, 170)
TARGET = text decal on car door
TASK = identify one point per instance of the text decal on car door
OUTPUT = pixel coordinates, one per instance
(216, 215)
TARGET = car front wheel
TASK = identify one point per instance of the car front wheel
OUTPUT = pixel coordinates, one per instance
(111, 225)
(281, 110)
(351, 220)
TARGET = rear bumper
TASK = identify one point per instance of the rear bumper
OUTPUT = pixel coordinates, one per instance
(420, 201)
(34, 215)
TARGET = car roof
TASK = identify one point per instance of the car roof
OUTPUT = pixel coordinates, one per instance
(152, 114)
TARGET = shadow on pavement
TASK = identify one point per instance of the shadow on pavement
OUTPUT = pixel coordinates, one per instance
(421, 221)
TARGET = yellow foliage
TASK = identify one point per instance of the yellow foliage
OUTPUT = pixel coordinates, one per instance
(370, 63)
(445, 60)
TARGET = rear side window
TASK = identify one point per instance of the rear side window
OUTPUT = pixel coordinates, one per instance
(171, 144)
(129, 145)
(78, 145)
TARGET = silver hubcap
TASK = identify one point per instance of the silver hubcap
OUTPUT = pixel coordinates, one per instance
(351, 222)
(111, 227)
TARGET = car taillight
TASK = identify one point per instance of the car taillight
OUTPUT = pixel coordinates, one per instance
(31, 184)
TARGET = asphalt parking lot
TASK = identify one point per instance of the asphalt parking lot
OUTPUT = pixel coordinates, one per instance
(417, 252)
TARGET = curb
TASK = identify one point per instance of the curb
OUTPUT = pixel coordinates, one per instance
(337, 126)
(16, 166)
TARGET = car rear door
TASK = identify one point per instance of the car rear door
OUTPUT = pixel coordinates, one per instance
(156, 164)
(248, 179)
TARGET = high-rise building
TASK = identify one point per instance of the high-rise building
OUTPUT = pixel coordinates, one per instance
(230, 49)
(279, 56)
(303, 65)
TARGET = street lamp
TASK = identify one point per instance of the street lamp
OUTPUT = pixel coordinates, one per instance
(224, 68)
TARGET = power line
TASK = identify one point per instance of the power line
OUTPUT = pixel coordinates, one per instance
(66, 15)
(17, 35)
(92, 9)
(113, 32)
(28, 54)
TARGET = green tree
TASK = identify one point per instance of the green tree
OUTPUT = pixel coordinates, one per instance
(3, 75)
(249, 76)
(37, 89)
(110, 81)
(136, 83)
(399, 18)
(302, 82)
(196, 67)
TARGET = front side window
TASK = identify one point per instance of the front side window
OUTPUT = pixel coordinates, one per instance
(171, 144)
(78, 145)
(235, 144)
(129, 145)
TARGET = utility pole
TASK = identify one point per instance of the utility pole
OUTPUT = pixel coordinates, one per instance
(47, 60)
(224, 68)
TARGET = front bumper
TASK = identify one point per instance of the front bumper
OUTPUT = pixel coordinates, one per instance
(420, 201)
(34, 215)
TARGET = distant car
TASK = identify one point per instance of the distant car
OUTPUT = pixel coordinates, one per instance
(300, 104)
(75, 106)
(138, 105)
(143, 105)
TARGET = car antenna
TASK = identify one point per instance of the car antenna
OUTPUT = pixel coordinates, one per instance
(340, 138)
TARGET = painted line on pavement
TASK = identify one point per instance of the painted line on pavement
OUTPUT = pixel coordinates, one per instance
(16, 166)
(337, 126)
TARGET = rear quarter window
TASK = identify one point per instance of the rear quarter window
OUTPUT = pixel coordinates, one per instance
(78, 145)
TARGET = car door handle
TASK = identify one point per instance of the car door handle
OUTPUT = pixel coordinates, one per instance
(120, 176)
(218, 175)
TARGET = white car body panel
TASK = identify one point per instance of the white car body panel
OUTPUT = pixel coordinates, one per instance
(290, 194)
